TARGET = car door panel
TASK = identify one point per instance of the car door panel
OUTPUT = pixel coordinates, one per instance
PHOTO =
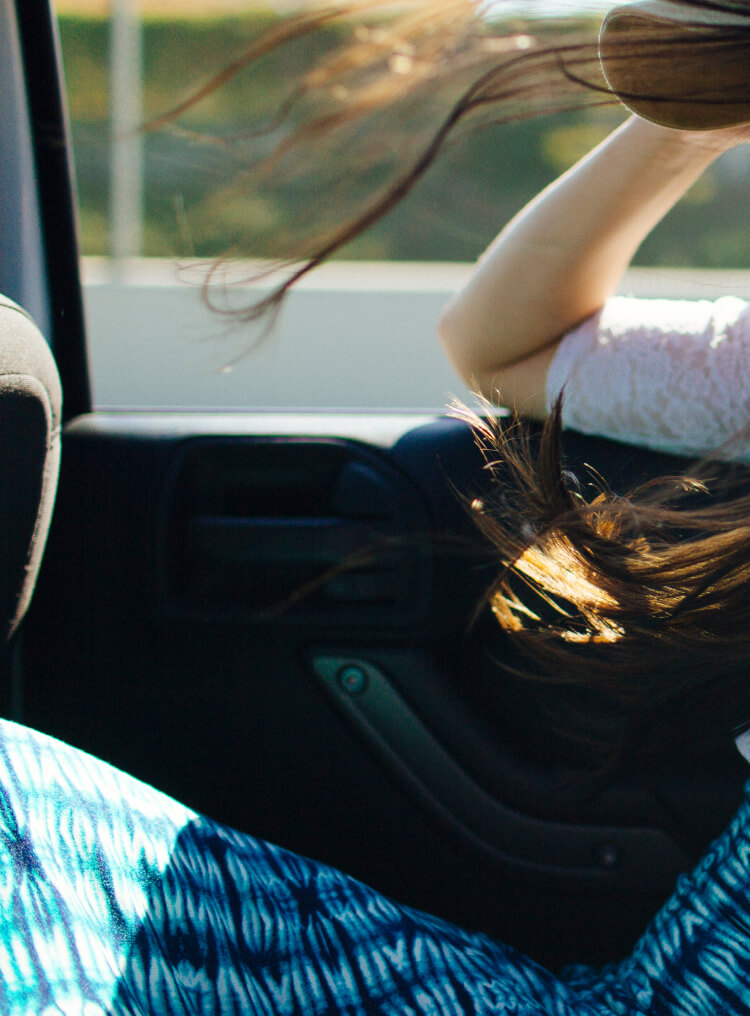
(271, 618)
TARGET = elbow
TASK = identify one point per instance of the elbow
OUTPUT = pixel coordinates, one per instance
(452, 332)
(447, 329)
(462, 350)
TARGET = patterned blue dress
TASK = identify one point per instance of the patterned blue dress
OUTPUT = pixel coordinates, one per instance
(116, 899)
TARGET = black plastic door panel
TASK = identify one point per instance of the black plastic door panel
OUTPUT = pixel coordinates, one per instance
(271, 618)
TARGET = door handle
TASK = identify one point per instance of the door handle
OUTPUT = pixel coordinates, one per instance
(326, 541)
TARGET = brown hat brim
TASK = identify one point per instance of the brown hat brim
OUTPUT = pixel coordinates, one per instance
(683, 66)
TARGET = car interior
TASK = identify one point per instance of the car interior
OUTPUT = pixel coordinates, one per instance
(275, 620)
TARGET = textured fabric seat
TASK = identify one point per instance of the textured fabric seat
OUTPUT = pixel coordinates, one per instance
(30, 417)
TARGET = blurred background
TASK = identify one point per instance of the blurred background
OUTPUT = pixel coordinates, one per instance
(153, 195)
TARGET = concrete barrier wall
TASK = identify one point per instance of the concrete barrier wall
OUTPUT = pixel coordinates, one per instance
(354, 335)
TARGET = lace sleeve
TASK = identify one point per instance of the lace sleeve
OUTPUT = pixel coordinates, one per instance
(669, 374)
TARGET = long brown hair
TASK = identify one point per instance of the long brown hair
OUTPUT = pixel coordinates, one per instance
(644, 595)
(390, 89)
(394, 87)
(649, 588)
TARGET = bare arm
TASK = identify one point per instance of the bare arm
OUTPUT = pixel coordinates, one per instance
(558, 261)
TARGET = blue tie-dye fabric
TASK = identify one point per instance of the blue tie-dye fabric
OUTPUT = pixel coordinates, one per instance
(115, 899)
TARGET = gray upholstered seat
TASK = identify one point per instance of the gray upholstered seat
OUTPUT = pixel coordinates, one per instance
(30, 406)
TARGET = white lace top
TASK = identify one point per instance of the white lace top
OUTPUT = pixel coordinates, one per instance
(669, 374)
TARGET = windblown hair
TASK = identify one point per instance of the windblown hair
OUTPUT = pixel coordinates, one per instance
(643, 596)
(363, 123)
(646, 595)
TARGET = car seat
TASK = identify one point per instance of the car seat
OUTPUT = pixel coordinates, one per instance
(30, 417)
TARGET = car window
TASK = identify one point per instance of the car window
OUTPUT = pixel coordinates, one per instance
(358, 333)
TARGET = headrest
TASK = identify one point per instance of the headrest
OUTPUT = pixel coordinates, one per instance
(30, 407)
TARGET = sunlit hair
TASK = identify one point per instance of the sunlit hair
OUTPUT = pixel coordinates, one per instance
(649, 590)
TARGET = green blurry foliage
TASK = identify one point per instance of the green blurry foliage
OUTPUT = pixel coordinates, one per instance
(194, 206)
(565, 144)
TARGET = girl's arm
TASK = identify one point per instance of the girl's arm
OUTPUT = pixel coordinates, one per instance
(559, 260)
